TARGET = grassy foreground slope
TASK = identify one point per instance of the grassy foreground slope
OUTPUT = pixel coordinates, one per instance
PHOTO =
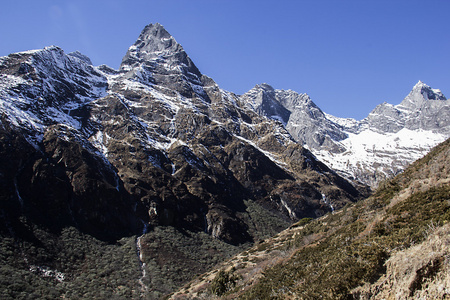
(394, 244)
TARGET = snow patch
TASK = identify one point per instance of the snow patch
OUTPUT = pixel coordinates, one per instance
(289, 210)
(266, 153)
(372, 150)
(47, 272)
(327, 202)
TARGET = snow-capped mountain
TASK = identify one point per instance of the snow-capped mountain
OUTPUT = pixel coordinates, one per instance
(153, 144)
(39, 88)
(369, 150)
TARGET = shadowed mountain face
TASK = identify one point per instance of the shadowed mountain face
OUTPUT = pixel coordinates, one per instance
(151, 149)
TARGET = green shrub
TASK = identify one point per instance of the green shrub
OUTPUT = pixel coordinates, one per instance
(351, 256)
(304, 221)
(223, 282)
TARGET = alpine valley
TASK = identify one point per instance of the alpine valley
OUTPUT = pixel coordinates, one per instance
(128, 183)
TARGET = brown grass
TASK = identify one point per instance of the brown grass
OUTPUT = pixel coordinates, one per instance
(419, 272)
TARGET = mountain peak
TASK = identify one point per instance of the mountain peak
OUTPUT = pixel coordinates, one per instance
(81, 56)
(157, 58)
(153, 42)
(264, 86)
(420, 84)
(156, 35)
(420, 94)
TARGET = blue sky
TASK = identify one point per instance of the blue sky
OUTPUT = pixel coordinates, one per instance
(348, 55)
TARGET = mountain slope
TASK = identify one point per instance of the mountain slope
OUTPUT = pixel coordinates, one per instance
(155, 151)
(392, 244)
(371, 150)
(161, 118)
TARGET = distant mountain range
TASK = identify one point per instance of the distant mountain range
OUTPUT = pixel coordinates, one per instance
(99, 166)
(370, 150)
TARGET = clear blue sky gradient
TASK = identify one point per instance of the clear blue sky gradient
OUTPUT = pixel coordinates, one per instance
(348, 55)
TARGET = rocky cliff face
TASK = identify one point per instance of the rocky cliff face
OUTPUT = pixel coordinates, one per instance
(423, 109)
(153, 145)
(369, 150)
(303, 119)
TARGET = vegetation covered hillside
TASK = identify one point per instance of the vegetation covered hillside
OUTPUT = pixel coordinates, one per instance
(393, 245)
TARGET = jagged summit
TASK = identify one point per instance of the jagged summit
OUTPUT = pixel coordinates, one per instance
(153, 45)
(81, 56)
(421, 86)
(157, 58)
(39, 88)
(427, 92)
(262, 98)
(153, 42)
(265, 86)
(419, 95)
(304, 120)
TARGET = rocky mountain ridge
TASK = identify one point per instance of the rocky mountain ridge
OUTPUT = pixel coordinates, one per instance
(142, 150)
(370, 150)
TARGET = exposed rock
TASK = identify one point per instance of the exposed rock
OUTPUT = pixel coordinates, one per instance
(65, 184)
(81, 56)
